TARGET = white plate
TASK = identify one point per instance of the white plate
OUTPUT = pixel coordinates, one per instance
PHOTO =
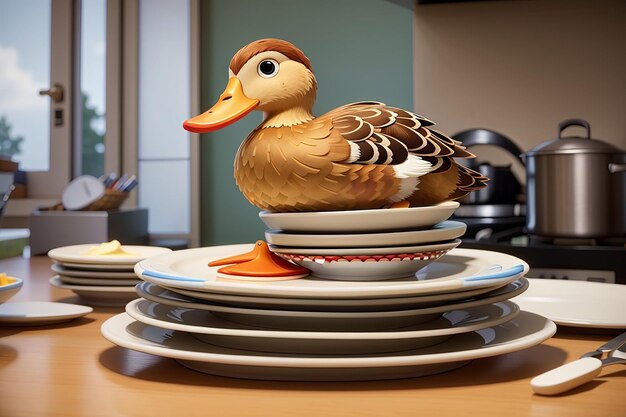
(384, 250)
(360, 220)
(40, 312)
(366, 267)
(319, 304)
(320, 320)
(211, 329)
(447, 230)
(99, 281)
(577, 303)
(98, 267)
(524, 331)
(81, 192)
(98, 295)
(9, 290)
(459, 270)
(73, 254)
(83, 273)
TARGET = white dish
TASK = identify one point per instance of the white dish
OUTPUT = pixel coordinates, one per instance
(81, 192)
(84, 273)
(98, 267)
(40, 312)
(384, 250)
(577, 303)
(360, 220)
(365, 304)
(524, 331)
(373, 267)
(98, 295)
(211, 329)
(459, 270)
(319, 320)
(319, 304)
(9, 290)
(100, 281)
(447, 230)
(74, 254)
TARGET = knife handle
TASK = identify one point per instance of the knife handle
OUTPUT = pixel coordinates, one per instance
(566, 377)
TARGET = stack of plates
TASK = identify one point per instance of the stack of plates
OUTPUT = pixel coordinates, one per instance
(101, 280)
(364, 245)
(452, 311)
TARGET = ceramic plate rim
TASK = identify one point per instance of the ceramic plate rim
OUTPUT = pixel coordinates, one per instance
(79, 311)
(383, 250)
(61, 254)
(55, 281)
(338, 219)
(59, 269)
(334, 289)
(349, 314)
(110, 329)
(392, 302)
(133, 310)
(565, 320)
(446, 230)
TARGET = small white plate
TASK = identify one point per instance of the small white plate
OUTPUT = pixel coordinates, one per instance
(84, 273)
(74, 254)
(9, 290)
(319, 320)
(447, 230)
(524, 331)
(98, 267)
(459, 270)
(81, 192)
(100, 281)
(207, 327)
(98, 295)
(33, 313)
(577, 303)
(375, 267)
(360, 220)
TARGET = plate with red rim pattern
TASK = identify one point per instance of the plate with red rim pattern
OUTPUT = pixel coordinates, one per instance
(440, 232)
(369, 267)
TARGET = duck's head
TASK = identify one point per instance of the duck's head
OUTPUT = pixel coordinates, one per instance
(270, 75)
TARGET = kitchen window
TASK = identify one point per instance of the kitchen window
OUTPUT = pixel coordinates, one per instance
(127, 80)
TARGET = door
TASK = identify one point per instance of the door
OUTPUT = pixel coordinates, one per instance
(36, 91)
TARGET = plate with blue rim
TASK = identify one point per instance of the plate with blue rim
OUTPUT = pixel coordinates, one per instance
(458, 270)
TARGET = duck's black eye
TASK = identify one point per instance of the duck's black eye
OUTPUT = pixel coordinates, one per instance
(268, 68)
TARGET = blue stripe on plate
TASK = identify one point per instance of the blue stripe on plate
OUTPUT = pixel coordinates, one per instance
(161, 275)
(506, 273)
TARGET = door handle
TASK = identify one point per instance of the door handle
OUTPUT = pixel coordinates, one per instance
(55, 92)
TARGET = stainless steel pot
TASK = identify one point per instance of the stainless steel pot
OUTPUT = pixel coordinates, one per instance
(576, 187)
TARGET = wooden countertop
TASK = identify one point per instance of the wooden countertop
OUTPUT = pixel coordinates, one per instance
(71, 370)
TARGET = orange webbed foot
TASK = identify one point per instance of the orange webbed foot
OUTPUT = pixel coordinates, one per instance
(259, 262)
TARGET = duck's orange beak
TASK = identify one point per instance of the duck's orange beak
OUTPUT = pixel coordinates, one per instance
(232, 106)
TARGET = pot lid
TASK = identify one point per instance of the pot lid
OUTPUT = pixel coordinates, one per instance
(573, 144)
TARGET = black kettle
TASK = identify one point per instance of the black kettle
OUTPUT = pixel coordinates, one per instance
(503, 187)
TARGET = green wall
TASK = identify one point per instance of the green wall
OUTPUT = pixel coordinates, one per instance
(360, 50)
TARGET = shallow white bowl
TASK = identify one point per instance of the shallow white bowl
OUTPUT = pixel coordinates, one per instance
(9, 290)
(360, 220)
(369, 267)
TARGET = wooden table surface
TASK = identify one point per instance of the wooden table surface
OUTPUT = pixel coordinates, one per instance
(71, 370)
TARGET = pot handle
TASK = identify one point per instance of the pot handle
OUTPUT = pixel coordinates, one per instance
(615, 168)
(575, 122)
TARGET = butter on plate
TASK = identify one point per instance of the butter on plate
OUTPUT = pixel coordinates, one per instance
(5, 279)
(112, 248)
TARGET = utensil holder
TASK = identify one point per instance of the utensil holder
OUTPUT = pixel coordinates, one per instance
(111, 200)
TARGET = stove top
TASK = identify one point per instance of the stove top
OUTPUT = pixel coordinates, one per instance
(585, 260)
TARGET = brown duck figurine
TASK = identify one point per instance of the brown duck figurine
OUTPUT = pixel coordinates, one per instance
(359, 156)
